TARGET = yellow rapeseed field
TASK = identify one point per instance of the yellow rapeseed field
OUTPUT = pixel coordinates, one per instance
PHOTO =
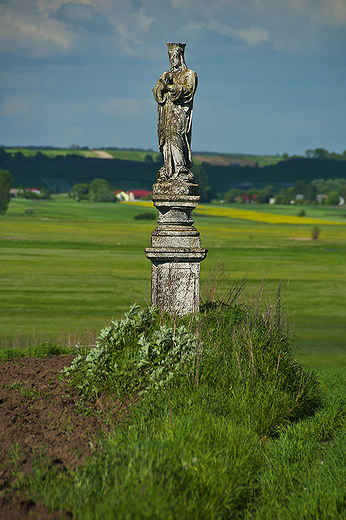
(269, 218)
(245, 214)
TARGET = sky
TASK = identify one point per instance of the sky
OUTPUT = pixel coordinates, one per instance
(271, 72)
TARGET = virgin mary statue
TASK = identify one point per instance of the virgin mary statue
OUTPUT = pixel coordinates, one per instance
(174, 94)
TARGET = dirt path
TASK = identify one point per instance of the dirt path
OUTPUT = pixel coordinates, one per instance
(103, 155)
(40, 412)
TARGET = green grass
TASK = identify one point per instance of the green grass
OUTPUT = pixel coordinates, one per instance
(242, 430)
(69, 267)
(261, 160)
(134, 155)
(129, 154)
(29, 152)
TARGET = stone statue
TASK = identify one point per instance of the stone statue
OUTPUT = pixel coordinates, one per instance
(174, 93)
(175, 251)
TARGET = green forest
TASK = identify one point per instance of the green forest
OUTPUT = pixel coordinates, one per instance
(58, 169)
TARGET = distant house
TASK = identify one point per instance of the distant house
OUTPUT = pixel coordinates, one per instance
(121, 195)
(272, 200)
(248, 199)
(341, 201)
(138, 194)
(319, 198)
(33, 190)
(14, 192)
(131, 195)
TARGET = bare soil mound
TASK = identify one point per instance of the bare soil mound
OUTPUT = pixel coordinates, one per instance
(41, 415)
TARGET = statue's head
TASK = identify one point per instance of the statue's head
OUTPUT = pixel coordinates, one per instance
(176, 54)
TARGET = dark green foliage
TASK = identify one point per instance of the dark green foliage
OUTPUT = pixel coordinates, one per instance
(248, 353)
(6, 181)
(315, 232)
(291, 171)
(97, 191)
(104, 195)
(80, 191)
(205, 191)
(3, 154)
(44, 194)
(148, 215)
(137, 353)
(333, 199)
(97, 186)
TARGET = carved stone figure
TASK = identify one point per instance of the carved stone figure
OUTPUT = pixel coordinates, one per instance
(175, 251)
(174, 94)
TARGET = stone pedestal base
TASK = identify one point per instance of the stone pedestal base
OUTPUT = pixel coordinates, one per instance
(175, 250)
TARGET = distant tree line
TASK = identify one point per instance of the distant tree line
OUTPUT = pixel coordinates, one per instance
(318, 153)
(6, 181)
(97, 191)
(318, 191)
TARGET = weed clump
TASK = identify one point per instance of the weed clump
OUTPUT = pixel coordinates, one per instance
(135, 354)
(239, 353)
(315, 232)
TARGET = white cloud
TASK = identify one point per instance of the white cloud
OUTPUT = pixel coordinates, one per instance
(330, 12)
(144, 21)
(251, 36)
(23, 31)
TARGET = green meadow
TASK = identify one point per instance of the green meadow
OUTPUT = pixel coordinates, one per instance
(68, 268)
(31, 152)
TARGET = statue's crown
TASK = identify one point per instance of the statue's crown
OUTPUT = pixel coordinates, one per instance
(180, 47)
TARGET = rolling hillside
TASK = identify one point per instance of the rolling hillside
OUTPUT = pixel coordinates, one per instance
(137, 169)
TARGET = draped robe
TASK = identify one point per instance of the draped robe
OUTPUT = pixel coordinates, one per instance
(174, 93)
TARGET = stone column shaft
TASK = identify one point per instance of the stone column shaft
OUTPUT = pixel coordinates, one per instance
(175, 250)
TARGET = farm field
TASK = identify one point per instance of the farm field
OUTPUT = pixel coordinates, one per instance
(31, 152)
(68, 268)
(239, 430)
(139, 155)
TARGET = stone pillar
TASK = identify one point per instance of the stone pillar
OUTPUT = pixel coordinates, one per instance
(175, 250)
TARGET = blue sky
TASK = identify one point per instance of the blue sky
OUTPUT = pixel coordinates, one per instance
(271, 72)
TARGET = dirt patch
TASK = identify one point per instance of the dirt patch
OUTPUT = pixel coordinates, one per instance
(39, 414)
(103, 155)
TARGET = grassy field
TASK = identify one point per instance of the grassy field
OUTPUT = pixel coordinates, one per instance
(31, 152)
(135, 155)
(239, 429)
(68, 268)
(242, 159)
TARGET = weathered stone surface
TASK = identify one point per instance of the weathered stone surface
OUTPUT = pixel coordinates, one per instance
(180, 281)
(175, 251)
(174, 94)
(176, 190)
